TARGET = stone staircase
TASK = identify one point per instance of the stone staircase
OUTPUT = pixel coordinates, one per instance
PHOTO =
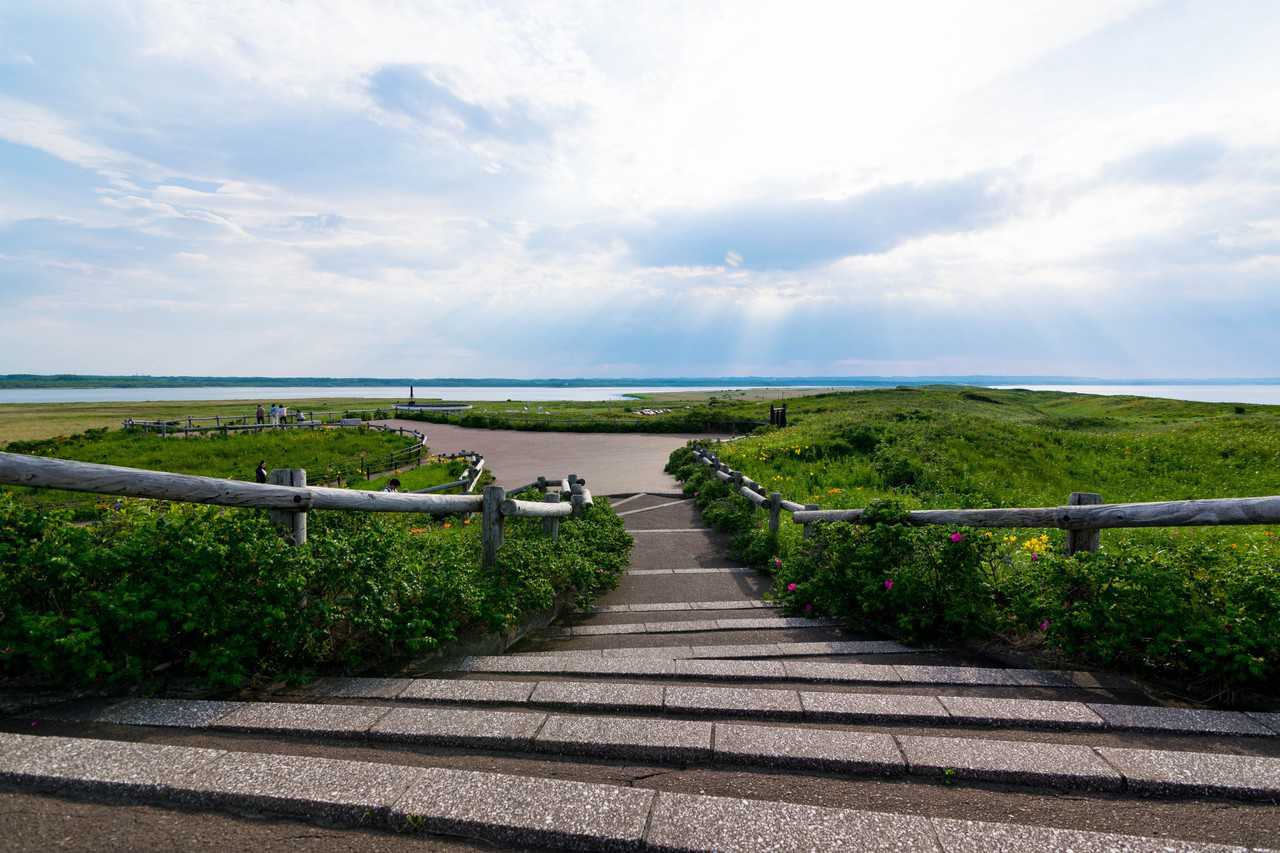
(682, 713)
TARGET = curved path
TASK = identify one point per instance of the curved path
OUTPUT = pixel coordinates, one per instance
(612, 463)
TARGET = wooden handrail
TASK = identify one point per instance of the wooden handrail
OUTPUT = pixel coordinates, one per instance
(1193, 513)
(1088, 515)
(19, 470)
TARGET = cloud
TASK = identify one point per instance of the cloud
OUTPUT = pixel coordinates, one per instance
(765, 234)
(424, 94)
(1188, 161)
(180, 181)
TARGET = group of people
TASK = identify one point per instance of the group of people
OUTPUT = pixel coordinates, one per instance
(277, 413)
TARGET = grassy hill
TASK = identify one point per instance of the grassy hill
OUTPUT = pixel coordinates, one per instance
(970, 447)
(1198, 608)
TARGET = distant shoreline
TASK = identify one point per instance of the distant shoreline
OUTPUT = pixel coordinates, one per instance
(23, 381)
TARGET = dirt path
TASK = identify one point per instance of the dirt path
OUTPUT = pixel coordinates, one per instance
(611, 463)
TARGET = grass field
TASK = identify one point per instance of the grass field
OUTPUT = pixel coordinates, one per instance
(1197, 607)
(325, 454)
(953, 447)
(27, 421)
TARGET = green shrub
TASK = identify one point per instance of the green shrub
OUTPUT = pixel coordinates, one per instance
(216, 594)
(1197, 607)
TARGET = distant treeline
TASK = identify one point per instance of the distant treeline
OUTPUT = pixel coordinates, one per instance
(75, 380)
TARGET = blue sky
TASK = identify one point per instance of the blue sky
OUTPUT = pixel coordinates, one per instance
(640, 189)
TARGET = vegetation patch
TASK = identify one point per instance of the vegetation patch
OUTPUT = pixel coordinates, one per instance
(328, 455)
(156, 590)
(1199, 607)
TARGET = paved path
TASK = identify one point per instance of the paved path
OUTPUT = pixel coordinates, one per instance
(611, 463)
(681, 712)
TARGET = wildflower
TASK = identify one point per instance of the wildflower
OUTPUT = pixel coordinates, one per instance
(777, 562)
(1035, 556)
(447, 525)
(466, 521)
(808, 608)
(888, 583)
(1044, 626)
(1234, 547)
(417, 531)
(957, 537)
(791, 587)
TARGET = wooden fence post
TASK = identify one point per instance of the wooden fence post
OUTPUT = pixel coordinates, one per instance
(292, 524)
(491, 524)
(1088, 538)
(575, 495)
(775, 511)
(551, 525)
(809, 530)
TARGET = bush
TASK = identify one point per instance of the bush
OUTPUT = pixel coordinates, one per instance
(1198, 608)
(216, 594)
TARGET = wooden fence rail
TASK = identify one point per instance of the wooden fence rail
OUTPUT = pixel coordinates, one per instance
(288, 497)
(1083, 517)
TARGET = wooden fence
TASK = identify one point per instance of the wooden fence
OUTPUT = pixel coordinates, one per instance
(226, 424)
(288, 497)
(1084, 517)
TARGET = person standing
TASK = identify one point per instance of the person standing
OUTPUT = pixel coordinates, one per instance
(261, 474)
(275, 414)
(393, 486)
(261, 415)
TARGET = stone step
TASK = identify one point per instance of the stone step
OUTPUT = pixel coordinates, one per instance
(732, 604)
(738, 650)
(692, 570)
(1038, 765)
(808, 705)
(747, 702)
(657, 506)
(518, 811)
(738, 669)
(762, 623)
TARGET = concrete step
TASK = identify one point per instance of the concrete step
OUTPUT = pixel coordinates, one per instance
(687, 583)
(723, 669)
(737, 650)
(1030, 764)
(511, 810)
(813, 706)
(808, 705)
(660, 606)
(756, 623)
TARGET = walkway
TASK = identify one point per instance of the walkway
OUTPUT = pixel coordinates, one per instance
(682, 713)
(618, 462)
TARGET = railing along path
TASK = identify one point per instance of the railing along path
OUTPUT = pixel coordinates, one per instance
(1083, 518)
(288, 497)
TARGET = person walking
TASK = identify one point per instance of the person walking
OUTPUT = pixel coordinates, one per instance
(261, 474)
(261, 415)
(275, 414)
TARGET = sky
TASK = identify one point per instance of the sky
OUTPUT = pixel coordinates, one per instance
(640, 189)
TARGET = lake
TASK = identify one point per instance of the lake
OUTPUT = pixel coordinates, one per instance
(399, 392)
(1269, 394)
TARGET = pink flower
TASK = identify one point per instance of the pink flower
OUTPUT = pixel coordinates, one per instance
(777, 562)
(957, 537)
(888, 583)
(1044, 626)
(808, 608)
(1035, 557)
(791, 587)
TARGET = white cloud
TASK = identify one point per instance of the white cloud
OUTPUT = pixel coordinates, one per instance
(917, 184)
